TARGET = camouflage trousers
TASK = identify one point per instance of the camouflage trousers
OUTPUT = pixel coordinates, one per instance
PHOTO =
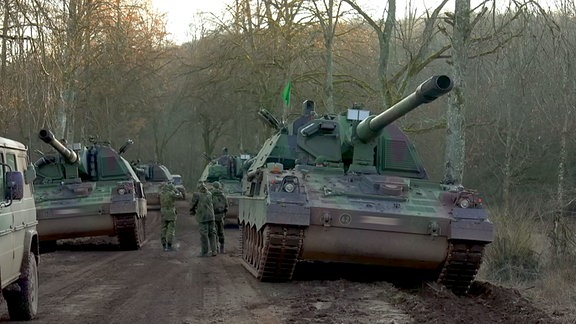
(168, 232)
(207, 237)
(219, 224)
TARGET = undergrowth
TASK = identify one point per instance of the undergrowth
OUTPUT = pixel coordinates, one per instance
(522, 257)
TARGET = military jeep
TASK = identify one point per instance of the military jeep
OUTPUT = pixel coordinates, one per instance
(18, 237)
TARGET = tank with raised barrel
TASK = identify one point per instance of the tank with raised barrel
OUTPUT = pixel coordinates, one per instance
(228, 170)
(88, 191)
(352, 189)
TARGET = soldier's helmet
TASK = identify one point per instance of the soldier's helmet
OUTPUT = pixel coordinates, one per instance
(217, 185)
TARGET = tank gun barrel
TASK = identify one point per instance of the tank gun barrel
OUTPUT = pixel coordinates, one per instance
(48, 137)
(426, 92)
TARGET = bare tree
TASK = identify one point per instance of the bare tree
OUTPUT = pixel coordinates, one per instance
(455, 117)
(328, 18)
(394, 84)
(384, 33)
(463, 25)
(561, 235)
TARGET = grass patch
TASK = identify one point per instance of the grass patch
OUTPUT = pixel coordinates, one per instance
(521, 257)
(513, 255)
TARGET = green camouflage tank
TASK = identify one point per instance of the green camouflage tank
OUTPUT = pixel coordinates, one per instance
(153, 177)
(88, 191)
(228, 170)
(352, 189)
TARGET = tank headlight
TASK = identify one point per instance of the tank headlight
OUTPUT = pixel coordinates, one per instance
(121, 191)
(464, 203)
(289, 187)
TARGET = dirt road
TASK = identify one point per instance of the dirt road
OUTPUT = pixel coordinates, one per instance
(90, 281)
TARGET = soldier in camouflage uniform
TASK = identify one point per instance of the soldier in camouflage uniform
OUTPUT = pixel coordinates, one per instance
(201, 206)
(168, 196)
(220, 204)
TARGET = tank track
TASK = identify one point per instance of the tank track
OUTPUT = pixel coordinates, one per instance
(130, 231)
(462, 263)
(271, 253)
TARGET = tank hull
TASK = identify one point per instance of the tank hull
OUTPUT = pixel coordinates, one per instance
(359, 219)
(376, 248)
(58, 224)
(87, 210)
(78, 219)
(152, 191)
(370, 239)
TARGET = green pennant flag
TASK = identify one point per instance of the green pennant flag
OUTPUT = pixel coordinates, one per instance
(286, 93)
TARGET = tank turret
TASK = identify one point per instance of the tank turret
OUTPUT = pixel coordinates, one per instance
(354, 140)
(47, 137)
(363, 138)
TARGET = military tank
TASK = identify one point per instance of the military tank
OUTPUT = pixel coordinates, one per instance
(153, 176)
(228, 170)
(88, 191)
(352, 189)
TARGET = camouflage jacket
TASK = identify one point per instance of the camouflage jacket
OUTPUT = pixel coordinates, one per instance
(219, 202)
(201, 206)
(168, 195)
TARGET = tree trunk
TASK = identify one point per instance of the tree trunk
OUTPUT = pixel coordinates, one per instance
(559, 233)
(455, 120)
(559, 239)
(508, 161)
(330, 63)
(384, 41)
(64, 113)
(4, 53)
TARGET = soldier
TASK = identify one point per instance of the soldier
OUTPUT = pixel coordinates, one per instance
(168, 196)
(201, 206)
(220, 204)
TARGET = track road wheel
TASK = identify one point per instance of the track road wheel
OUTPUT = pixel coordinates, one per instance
(22, 296)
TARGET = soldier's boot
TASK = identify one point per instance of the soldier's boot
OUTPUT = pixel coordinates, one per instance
(221, 248)
(169, 247)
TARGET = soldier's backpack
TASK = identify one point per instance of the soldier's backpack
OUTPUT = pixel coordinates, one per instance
(219, 202)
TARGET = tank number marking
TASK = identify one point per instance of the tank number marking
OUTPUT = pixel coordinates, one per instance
(378, 220)
(67, 211)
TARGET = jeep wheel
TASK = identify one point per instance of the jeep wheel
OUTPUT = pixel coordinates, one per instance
(22, 298)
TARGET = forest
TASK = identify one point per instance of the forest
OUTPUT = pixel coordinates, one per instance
(106, 69)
